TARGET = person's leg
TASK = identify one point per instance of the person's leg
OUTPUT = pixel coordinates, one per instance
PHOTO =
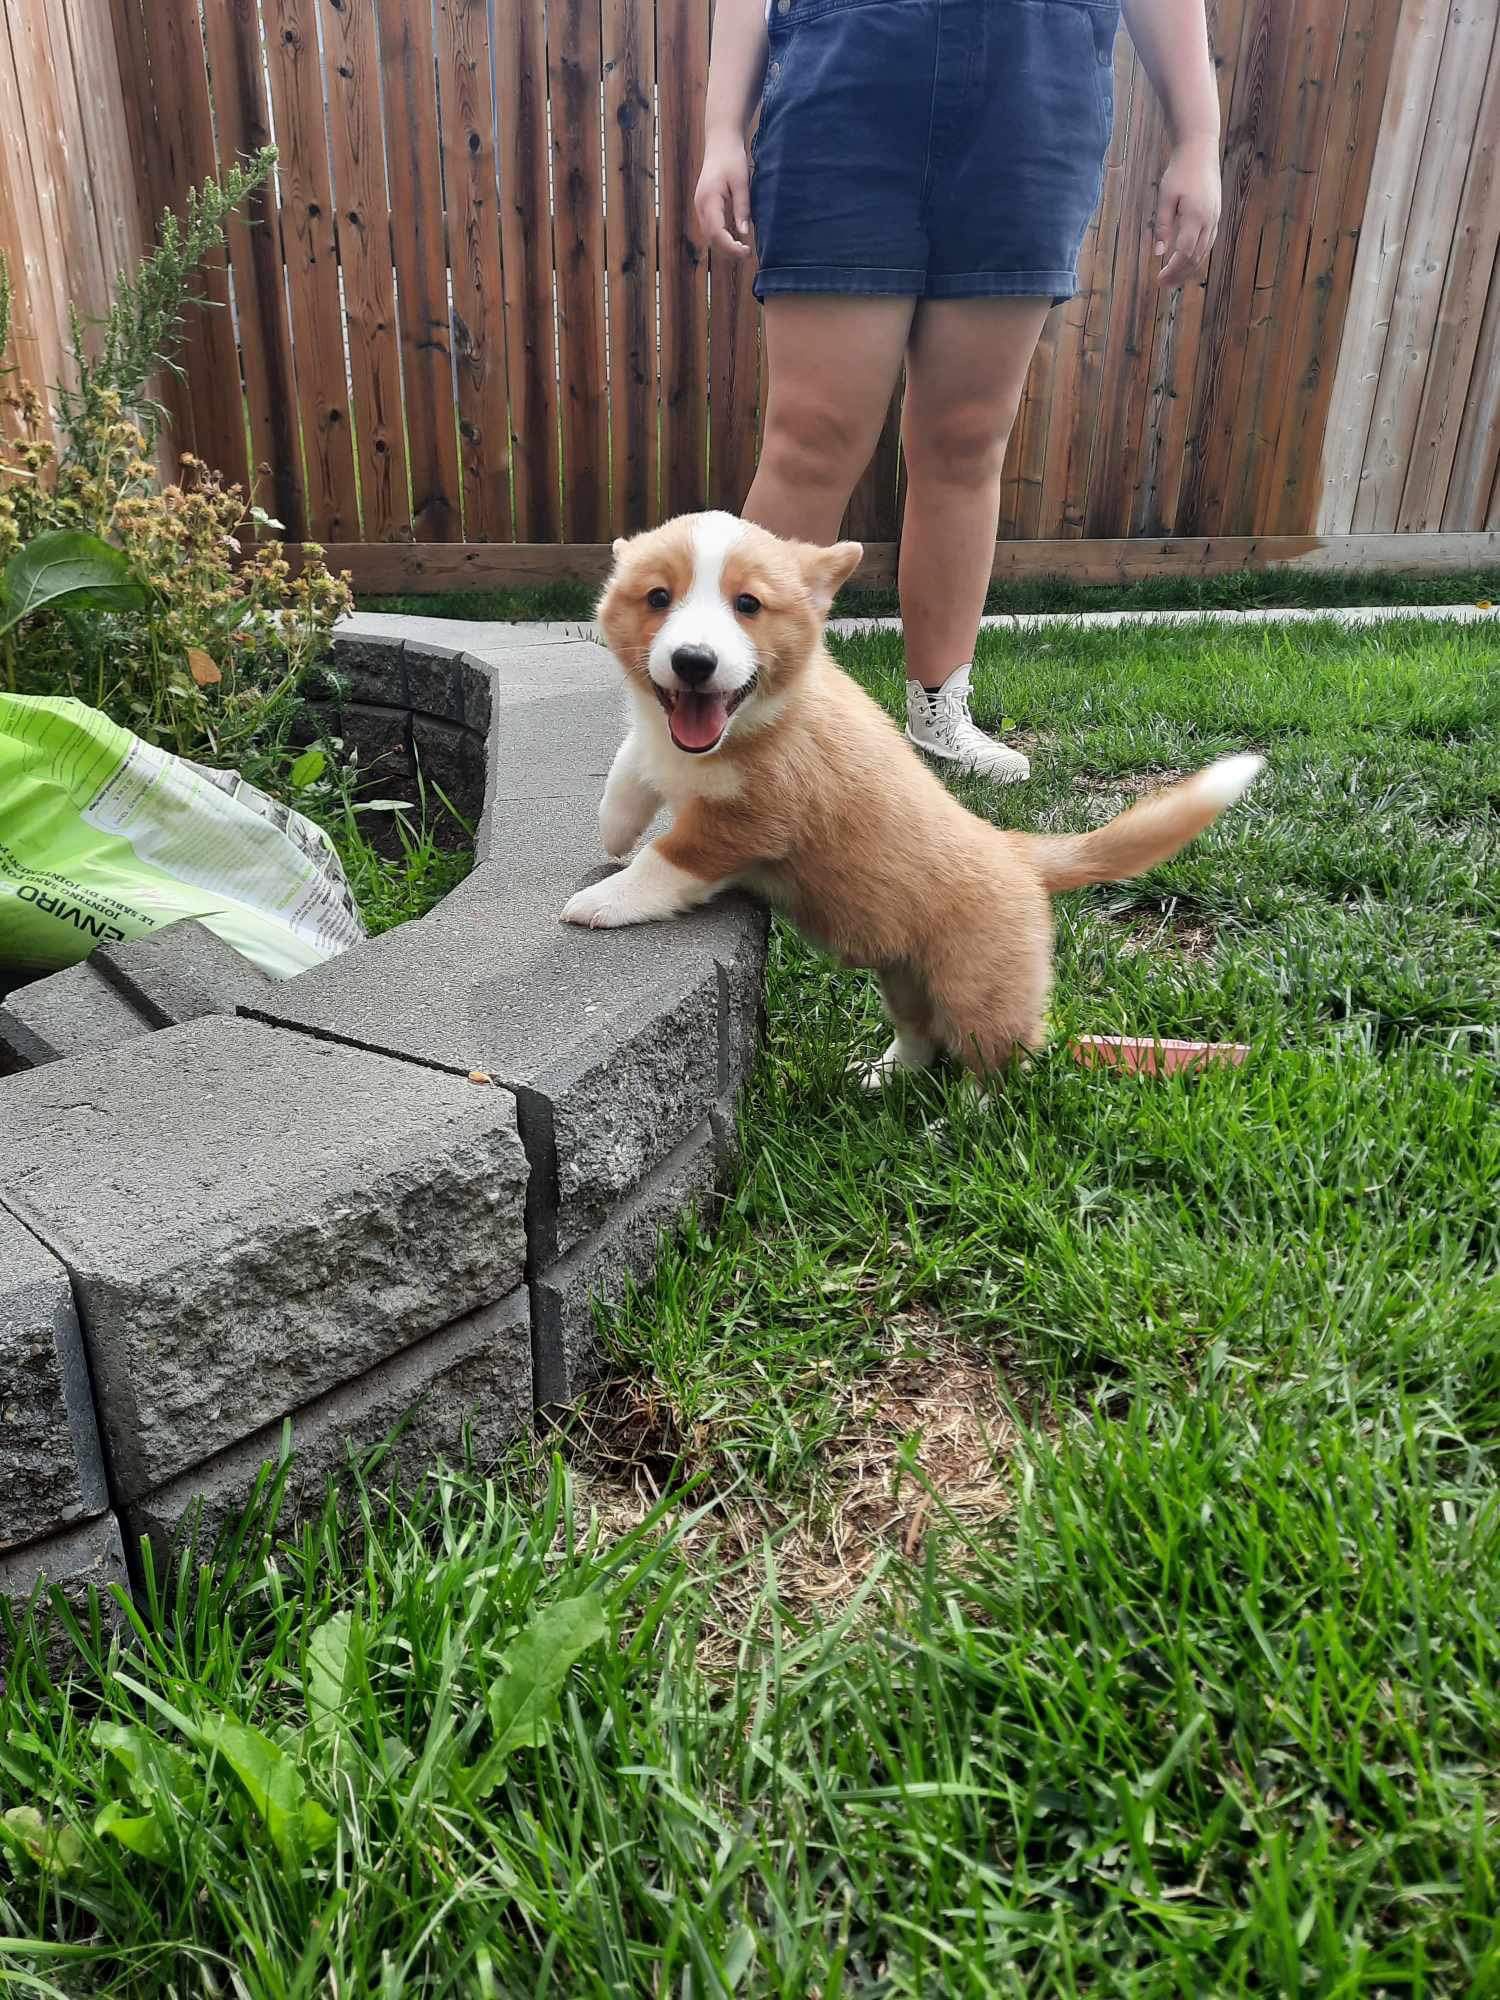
(965, 370)
(832, 361)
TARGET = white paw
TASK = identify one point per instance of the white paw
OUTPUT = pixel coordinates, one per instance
(875, 1075)
(897, 1060)
(602, 906)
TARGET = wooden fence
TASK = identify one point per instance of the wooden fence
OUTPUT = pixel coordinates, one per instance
(468, 324)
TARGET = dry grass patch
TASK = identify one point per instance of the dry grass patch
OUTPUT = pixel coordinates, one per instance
(921, 1447)
(1177, 933)
(1129, 785)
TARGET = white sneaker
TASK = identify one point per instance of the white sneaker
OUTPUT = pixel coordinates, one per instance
(941, 725)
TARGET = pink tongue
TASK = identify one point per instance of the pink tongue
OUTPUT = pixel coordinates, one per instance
(698, 720)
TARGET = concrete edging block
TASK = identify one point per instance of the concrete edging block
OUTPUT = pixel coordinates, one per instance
(51, 1468)
(251, 1217)
(565, 1354)
(76, 1561)
(68, 1011)
(470, 1380)
(402, 1178)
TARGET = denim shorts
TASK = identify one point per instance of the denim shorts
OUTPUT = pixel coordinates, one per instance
(945, 149)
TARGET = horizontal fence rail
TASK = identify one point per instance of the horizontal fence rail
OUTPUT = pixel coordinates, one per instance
(468, 314)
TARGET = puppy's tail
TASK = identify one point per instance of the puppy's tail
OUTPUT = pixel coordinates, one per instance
(1150, 832)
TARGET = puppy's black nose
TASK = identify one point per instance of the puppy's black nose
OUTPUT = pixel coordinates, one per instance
(693, 665)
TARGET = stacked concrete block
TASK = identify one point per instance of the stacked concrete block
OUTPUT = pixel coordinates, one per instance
(462, 1392)
(180, 973)
(123, 991)
(62, 1014)
(622, 1047)
(416, 714)
(55, 1520)
(386, 1195)
(252, 1218)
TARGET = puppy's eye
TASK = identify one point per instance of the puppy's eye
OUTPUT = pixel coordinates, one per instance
(746, 605)
(659, 599)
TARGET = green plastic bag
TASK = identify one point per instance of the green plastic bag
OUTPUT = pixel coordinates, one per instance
(104, 837)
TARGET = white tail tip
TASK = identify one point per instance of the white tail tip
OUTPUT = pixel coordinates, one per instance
(1231, 778)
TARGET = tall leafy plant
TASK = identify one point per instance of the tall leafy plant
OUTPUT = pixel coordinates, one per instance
(167, 606)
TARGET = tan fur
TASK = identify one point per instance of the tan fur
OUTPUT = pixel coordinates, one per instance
(815, 800)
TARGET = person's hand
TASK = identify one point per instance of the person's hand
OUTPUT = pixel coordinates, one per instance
(721, 204)
(1187, 210)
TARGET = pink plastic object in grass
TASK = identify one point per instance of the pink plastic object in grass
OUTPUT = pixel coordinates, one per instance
(1145, 1056)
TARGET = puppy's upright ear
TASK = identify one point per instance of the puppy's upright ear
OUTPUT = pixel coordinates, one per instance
(617, 550)
(826, 571)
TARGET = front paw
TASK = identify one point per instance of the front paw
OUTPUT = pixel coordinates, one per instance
(588, 907)
(603, 906)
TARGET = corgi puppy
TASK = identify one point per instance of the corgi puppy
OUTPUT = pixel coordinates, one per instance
(785, 778)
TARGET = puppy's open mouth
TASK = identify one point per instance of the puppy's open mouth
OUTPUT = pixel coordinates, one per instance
(697, 718)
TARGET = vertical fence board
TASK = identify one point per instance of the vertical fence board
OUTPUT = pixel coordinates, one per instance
(114, 170)
(242, 114)
(1035, 420)
(1393, 176)
(149, 155)
(38, 346)
(132, 87)
(466, 105)
(1476, 466)
(682, 77)
(1296, 143)
(308, 237)
(1128, 342)
(184, 128)
(54, 97)
(1264, 48)
(352, 81)
(1067, 365)
(630, 230)
(408, 77)
(1177, 337)
(1426, 455)
(526, 262)
(1288, 496)
(872, 513)
(573, 67)
(1430, 223)
(733, 380)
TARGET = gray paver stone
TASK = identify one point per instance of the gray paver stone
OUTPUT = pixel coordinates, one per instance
(64, 1013)
(742, 969)
(251, 1217)
(451, 762)
(435, 677)
(51, 1473)
(469, 1382)
(566, 1338)
(74, 1561)
(610, 1038)
(371, 668)
(180, 973)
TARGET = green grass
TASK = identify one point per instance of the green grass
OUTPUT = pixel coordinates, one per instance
(1205, 1700)
(1242, 590)
(392, 889)
(398, 864)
